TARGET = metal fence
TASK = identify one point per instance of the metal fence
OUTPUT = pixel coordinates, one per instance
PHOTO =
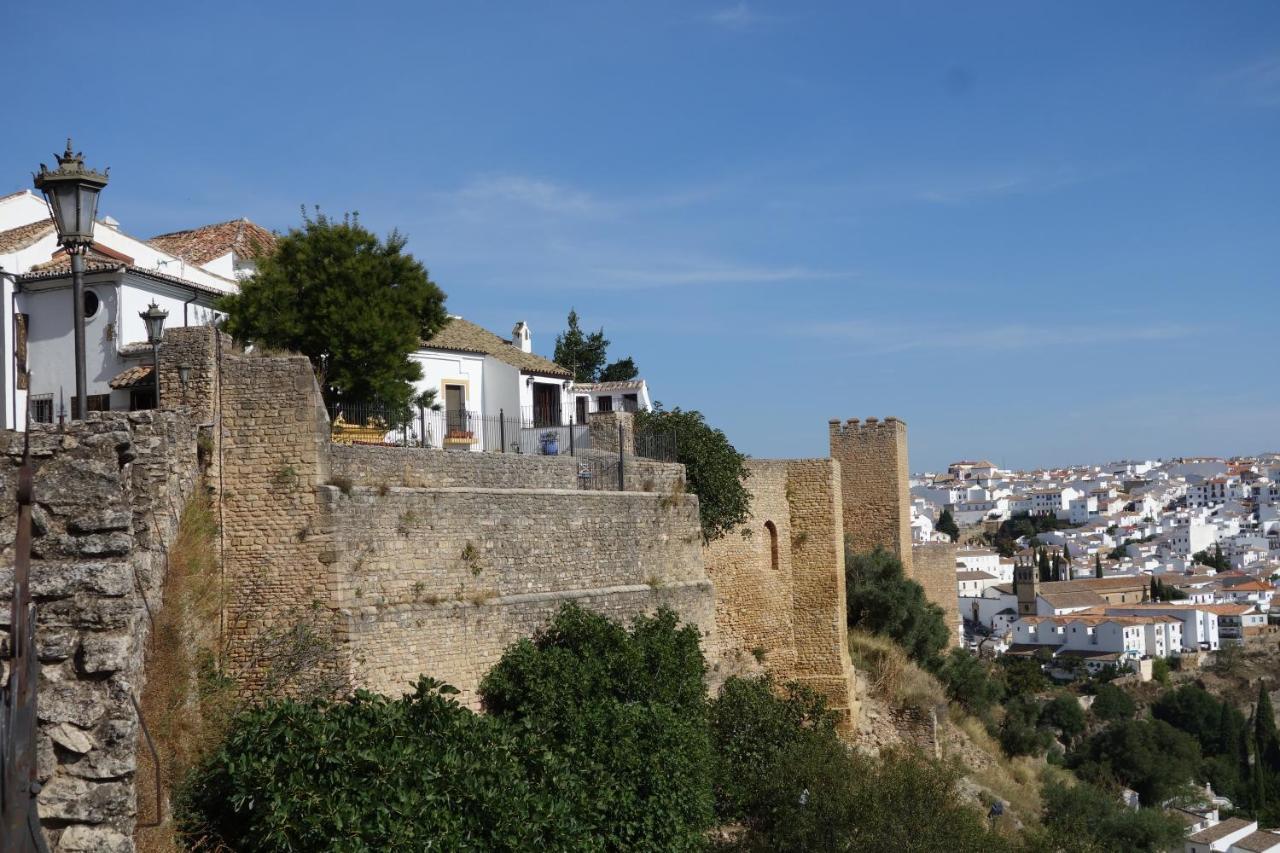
(528, 431)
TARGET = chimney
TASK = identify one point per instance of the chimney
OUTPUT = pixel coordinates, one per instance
(521, 337)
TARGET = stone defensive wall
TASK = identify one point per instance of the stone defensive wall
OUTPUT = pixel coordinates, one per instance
(109, 492)
(875, 480)
(779, 580)
(428, 562)
(934, 568)
(367, 465)
(441, 581)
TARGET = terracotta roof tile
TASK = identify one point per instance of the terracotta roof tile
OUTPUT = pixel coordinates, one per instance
(200, 245)
(139, 374)
(465, 336)
(24, 235)
(627, 385)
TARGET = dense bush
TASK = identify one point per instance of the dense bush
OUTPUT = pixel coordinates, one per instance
(1111, 703)
(1063, 712)
(1150, 756)
(597, 740)
(971, 682)
(789, 781)
(882, 600)
(629, 707)
(1088, 819)
(714, 470)
(378, 774)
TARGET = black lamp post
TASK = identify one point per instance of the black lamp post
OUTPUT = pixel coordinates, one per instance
(72, 193)
(154, 317)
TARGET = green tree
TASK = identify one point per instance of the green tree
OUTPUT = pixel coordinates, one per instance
(714, 470)
(1097, 565)
(1022, 676)
(582, 353)
(947, 524)
(357, 306)
(630, 707)
(1086, 818)
(1063, 712)
(1066, 553)
(1150, 756)
(352, 776)
(621, 370)
(970, 682)
(1112, 703)
(1214, 559)
(882, 600)
(1264, 731)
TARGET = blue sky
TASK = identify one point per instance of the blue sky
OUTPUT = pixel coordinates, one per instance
(1040, 233)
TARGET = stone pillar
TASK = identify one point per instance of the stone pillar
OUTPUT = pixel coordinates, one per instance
(604, 431)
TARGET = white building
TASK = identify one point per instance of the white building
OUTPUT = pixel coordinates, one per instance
(123, 276)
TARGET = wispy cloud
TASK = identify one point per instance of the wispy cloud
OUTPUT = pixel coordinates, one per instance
(1256, 83)
(526, 192)
(996, 183)
(899, 337)
(714, 274)
(738, 17)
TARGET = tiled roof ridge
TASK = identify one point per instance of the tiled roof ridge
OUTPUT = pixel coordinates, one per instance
(22, 236)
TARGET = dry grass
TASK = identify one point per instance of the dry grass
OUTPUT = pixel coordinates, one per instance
(185, 710)
(1017, 781)
(891, 675)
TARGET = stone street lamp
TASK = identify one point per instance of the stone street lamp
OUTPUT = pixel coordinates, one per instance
(154, 317)
(72, 193)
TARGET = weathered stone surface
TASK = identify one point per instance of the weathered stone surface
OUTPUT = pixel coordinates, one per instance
(115, 755)
(94, 839)
(101, 520)
(115, 544)
(81, 703)
(54, 645)
(70, 798)
(63, 578)
(71, 738)
(106, 652)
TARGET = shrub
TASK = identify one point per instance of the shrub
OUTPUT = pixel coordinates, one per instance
(715, 471)
(1149, 756)
(597, 740)
(629, 708)
(882, 600)
(970, 681)
(374, 773)
(788, 780)
(1063, 712)
(1111, 703)
(1085, 818)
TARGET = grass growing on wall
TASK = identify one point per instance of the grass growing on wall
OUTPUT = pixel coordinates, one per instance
(186, 703)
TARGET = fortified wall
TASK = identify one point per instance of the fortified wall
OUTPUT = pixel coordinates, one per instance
(422, 561)
(401, 561)
(779, 580)
(877, 506)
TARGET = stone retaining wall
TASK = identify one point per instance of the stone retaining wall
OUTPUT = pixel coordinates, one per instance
(109, 492)
(376, 466)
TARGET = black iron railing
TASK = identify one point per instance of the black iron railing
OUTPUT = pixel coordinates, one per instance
(531, 431)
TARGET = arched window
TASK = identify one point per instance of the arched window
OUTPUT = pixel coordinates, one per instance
(773, 544)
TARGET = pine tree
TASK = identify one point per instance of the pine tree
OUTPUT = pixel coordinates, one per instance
(1097, 565)
(947, 524)
(583, 354)
(1264, 731)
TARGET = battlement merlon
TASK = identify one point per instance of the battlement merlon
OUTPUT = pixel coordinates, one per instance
(854, 426)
